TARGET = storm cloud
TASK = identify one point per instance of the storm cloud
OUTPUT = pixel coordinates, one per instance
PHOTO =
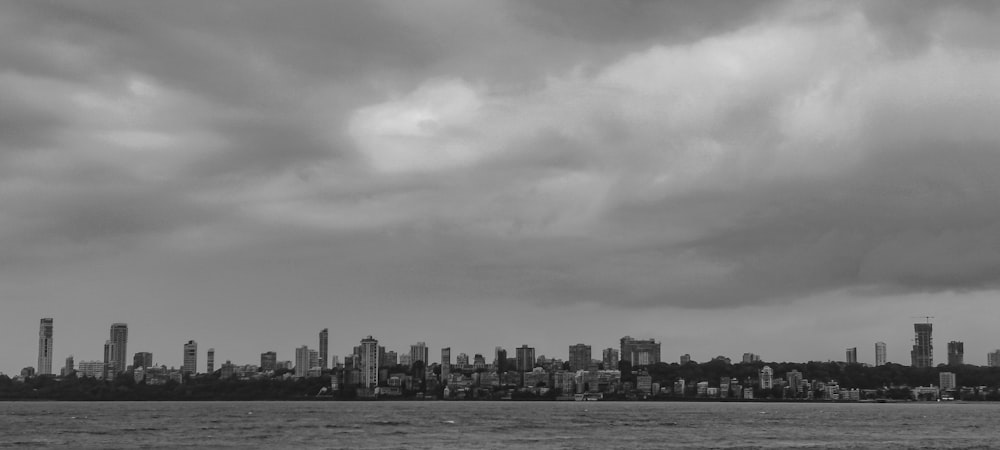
(537, 155)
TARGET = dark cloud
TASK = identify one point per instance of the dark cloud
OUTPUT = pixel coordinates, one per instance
(457, 156)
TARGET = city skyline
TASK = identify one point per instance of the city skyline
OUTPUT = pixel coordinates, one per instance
(785, 178)
(579, 356)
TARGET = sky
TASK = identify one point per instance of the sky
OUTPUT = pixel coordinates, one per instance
(784, 178)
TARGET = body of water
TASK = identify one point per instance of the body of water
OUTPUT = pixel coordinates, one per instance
(463, 425)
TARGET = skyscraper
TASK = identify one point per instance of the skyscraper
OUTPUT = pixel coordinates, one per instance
(119, 337)
(610, 358)
(210, 354)
(579, 357)
(324, 349)
(525, 358)
(640, 352)
(445, 363)
(766, 378)
(45, 347)
(500, 360)
(880, 353)
(922, 354)
(369, 356)
(956, 353)
(190, 358)
(852, 355)
(302, 361)
(68, 368)
(418, 352)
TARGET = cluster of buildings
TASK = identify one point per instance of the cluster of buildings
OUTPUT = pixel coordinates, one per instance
(373, 370)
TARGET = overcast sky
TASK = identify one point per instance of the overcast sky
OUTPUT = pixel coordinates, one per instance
(788, 179)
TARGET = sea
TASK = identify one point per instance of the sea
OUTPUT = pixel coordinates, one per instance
(497, 425)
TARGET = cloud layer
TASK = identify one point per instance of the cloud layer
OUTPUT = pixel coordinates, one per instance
(667, 154)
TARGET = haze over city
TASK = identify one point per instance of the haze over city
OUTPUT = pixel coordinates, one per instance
(784, 178)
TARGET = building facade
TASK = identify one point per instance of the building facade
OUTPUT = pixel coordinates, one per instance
(525, 358)
(579, 357)
(852, 355)
(368, 353)
(45, 347)
(880, 354)
(324, 348)
(922, 354)
(268, 361)
(302, 363)
(610, 358)
(956, 353)
(143, 360)
(640, 352)
(119, 337)
(418, 352)
(190, 366)
(210, 360)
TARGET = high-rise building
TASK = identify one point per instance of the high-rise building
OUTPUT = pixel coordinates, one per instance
(418, 352)
(45, 347)
(749, 358)
(610, 358)
(852, 355)
(119, 336)
(68, 368)
(462, 360)
(210, 360)
(445, 363)
(956, 353)
(993, 358)
(766, 378)
(525, 358)
(500, 360)
(368, 352)
(640, 352)
(880, 354)
(143, 360)
(922, 354)
(579, 357)
(324, 349)
(391, 359)
(302, 363)
(110, 367)
(268, 361)
(190, 366)
(685, 358)
(794, 378)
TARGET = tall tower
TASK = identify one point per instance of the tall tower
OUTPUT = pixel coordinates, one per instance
(499, 360)
(445, 364)
(579, 357)
(369, 355)
(956, 353)
(211, 360)
(119, 337)
(418, 352)
(525, 358)
(190, 358)
(45, 347)
(880, 354)
(324, 349)
(852, 355)
(302, 363)
(110, 367)
(922, 354)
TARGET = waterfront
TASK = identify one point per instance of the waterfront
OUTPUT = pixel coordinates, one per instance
(459, 425)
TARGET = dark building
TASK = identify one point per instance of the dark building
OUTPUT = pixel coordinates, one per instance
(922, 354)
(525, 358)
(579, 357)
(142, 360)
(500, 360)
(956, 353)
(324, 348)
(268, 361)
(640, 352)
